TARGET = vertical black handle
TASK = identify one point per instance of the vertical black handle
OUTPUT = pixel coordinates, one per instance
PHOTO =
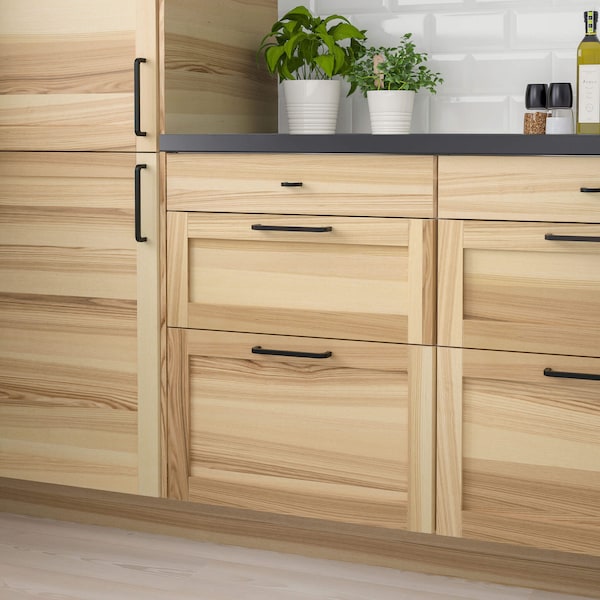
(138, 204)
(137, 117)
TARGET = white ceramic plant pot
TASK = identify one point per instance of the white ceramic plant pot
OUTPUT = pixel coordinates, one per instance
(312, 105)
(390, 111)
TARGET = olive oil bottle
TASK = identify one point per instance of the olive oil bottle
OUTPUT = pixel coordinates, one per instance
(588, 77)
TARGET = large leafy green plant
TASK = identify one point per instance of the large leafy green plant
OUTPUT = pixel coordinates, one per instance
(397, 68)
(302, 46)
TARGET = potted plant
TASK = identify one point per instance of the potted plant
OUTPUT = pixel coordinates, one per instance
(306, 53)
(389, 79)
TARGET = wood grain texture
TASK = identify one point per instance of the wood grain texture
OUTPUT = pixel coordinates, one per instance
(534, 188)
(343, 184)
(520, 291)
(44, 556)
(213, 82)
(483, 561)
(51, 101)
(529, 458)
(322, 438)
(69, 315)
(357, 281)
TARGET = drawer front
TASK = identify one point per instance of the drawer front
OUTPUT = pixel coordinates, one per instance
(537, 188)
(346, 184)
(519, 450)
(344, 277)
(504, 286)
(326, 437)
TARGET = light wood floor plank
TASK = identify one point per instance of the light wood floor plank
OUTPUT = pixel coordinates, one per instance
(41, 558)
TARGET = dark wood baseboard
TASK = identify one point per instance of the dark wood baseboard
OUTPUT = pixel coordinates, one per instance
(497, 563)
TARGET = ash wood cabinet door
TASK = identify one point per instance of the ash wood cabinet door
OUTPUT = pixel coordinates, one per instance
(78, 321)
(67, 74)
(341, 432)
(518, 449)
(339, 277)
(531, 287)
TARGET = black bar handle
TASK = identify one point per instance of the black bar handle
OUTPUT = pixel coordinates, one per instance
(259, 227)
(138, 204)
(261, 350)
(589, 190)
(291, 184)
(571, 238)
(137, 118)
(550, 373)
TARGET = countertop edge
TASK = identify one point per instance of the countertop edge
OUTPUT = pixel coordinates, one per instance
(431, 144)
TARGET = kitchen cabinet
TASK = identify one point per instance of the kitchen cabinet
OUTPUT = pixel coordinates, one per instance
(305, 426)
(518, 352)
(301, 358)
(79, 319)
(81, 109)
(67, 75)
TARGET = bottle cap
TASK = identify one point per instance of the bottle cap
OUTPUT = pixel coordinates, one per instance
(560, 95)
(535, 95)
(590, 18)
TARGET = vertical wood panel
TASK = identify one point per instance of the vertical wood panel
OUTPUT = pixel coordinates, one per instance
(450, 283)
(177, 269)
(422, 439)
(449, 442)
(213, 82)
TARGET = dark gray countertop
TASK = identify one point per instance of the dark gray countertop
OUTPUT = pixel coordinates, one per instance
(466, 144)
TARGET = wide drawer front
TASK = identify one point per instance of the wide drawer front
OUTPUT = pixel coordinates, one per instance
(531, 287)
(519, 447)
(539, 188)
(335, 184)
(350, 278)
(302, 426)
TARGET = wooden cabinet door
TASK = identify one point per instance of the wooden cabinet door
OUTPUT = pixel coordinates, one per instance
(343, 433)
(518, 448)
(350, 278)
(532, 287)
(67, 74)
(78, 322)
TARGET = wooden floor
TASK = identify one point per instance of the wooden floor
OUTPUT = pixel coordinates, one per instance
(53, 560)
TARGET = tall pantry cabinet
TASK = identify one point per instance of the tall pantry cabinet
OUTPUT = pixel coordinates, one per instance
(79, 310)
(85, 89)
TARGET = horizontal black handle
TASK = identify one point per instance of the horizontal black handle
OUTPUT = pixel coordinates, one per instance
(572, 238)
(291, 184)
(590, 190)
(566, 375)
(261, 350)
(259, 227)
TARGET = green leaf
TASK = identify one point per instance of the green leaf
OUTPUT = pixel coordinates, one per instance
(327, 63)
(345, 31)
(272, 57)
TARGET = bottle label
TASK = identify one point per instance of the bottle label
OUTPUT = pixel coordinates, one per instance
(589, 94)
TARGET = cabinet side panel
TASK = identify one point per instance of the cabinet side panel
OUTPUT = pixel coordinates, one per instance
(213, 82)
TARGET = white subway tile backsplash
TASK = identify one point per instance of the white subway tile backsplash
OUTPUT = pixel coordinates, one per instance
(459, 32)
(552, 30)
(486, 50)
(387, 29)
(348, 7)
(469, 114)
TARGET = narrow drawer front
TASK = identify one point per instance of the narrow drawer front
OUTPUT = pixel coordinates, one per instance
(350, 278)
(348, 184)
(537, 188)
(519, 444)
(309, 427)
(532, 287)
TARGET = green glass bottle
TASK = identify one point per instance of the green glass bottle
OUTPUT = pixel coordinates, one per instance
(588, 77)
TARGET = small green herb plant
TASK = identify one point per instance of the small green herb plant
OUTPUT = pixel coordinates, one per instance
(397, 68)
(302, 46)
